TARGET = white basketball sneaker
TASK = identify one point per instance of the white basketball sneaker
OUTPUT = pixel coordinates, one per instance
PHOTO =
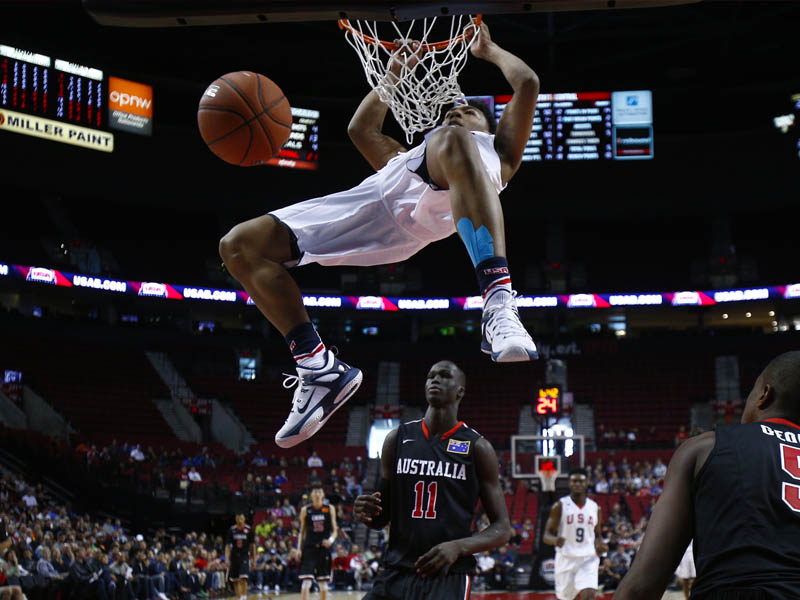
(504, 336)
(319, 394)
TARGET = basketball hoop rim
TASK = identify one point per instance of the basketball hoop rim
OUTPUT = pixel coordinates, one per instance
(427, 47)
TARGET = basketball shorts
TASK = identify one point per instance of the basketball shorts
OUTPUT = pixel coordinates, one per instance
(574, 574)
(686, 568)
(240, 567)
(391, 584)
(315, 563)
(385, 219)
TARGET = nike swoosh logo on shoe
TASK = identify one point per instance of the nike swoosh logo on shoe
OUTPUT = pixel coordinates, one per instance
(310, 398)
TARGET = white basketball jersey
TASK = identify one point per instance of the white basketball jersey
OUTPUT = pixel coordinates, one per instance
(577, 527)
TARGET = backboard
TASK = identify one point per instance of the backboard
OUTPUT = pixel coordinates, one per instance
(184, 13)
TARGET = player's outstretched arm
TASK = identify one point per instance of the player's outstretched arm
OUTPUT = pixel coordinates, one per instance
(374, 509)
(670, 527)
(514, 128)
(366, 126)
(550, 536)
(439, 558)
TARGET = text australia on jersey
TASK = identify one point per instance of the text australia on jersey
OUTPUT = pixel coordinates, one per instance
(432, 468)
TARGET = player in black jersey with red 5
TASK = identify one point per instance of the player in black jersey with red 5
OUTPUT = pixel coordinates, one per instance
(737, 492)
(434, 471)
(240, 546)
(318, 531)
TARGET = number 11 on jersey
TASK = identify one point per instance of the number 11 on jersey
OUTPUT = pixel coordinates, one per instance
(419, 497)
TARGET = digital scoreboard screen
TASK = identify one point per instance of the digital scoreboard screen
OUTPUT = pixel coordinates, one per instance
(301, 150)
(53, 88)
(591, 126)
(61, 101)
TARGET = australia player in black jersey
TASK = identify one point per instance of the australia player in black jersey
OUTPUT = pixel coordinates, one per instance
(318, 531)
(239, 547)
(434, 471)
(737, 492)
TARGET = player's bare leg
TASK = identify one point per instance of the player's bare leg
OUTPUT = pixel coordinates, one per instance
(254, 253)
(454, 163)
(586, 594)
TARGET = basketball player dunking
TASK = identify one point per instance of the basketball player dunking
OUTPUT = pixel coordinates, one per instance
(448, 183)
(318, 531)
(574, 529)
(736, 491)
(433, 471)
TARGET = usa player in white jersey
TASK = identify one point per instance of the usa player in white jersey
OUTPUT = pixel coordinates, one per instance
(574, 529)
(448, 184)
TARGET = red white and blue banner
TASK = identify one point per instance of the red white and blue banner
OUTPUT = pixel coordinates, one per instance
(155, 289)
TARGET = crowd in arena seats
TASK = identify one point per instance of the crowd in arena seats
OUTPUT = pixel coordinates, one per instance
(626, 488)
(56, 553)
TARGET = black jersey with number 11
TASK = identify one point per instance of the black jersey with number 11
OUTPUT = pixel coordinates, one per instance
(434, 491)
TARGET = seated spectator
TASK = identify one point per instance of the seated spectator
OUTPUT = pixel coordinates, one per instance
(609, 576)
(659, 469)
(280, 478)
(259, 460)
(288, 509)
(362, 572)
(343, 575)
(194, 475)
(249, 485)
(86, 583)
(601, 487)
(314, 460)
(263, 530)
(631, 437)
(485, 567)
(313, 479)
(516, 533)
(276, 512)
(681, 436)
(346, 465)
(30, 499)
(352, 485)
(337, 495)
(292, 569)
(334, 478)
(615, 516)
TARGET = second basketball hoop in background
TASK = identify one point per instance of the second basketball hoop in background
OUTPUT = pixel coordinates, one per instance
(244, 118)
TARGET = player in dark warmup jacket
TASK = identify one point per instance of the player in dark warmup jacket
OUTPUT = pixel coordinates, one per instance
(737, 492)
(434, 471)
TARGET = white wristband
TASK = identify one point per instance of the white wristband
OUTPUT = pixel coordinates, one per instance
(331, 540)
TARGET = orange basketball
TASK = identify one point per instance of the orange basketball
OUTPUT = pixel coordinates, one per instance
(244, 118)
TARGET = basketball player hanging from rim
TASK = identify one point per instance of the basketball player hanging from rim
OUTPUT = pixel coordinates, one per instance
(448, 183)
(574, 528)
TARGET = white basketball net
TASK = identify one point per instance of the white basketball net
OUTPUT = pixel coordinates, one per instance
(547, 479)
(417, 94)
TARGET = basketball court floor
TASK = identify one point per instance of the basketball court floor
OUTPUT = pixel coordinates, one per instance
(476, 595)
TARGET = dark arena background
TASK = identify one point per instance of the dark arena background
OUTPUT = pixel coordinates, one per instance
(656, 265)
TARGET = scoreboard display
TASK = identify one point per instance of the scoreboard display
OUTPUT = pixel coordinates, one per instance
(61, 101)
(575, 126)
(57, 89)
(301, 150)
(36, 84)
